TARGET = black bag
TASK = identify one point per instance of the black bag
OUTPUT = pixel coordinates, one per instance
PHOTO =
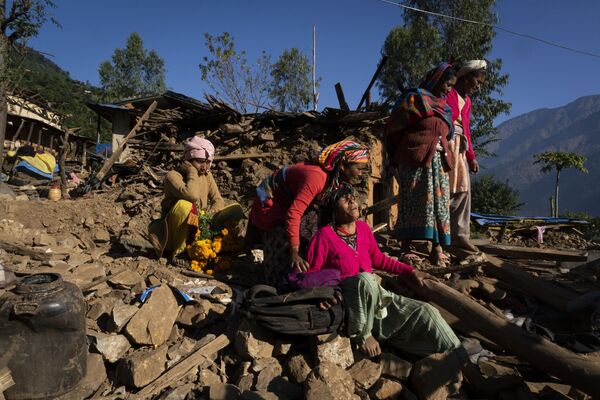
(295, 313)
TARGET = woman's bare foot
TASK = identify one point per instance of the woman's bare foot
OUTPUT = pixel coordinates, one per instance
(438, 258)
(371, 347)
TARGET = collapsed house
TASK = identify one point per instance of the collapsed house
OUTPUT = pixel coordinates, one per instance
(31, 122)
(248, 147)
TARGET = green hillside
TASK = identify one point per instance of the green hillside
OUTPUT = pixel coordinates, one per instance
(38, 76)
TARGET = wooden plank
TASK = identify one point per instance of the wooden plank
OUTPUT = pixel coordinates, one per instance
(180, 369)
(341, 98)
(61, 164)
(117, 153)
(533, 253)
(25, 251)
(579, 371)
(373, 79)
(543, 290)
(382, 205)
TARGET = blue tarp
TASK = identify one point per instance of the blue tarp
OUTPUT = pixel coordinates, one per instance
(487, 219)
(104, 149)
(26, 167)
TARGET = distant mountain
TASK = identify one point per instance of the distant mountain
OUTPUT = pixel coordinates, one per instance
(41, 78)
(574, 127)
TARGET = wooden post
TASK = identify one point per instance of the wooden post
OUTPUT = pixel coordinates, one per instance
(30, 132)
(373, 79)
(581, 372)
(16, 135)
(84, 156)
(341, 98)
(115, 156)
(61, 163)
(39, 138)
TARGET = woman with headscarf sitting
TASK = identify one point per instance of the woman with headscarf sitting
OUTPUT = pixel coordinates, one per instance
(188, 190)
(418, 132)
(283, 199)
(373, 314)
(470, 76)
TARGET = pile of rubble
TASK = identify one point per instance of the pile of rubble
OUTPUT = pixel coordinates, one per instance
(155, 331)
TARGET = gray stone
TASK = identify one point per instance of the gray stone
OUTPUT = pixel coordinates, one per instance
(281, 348)
(263, 363)
(180, 350)
(152, 324)
(126, 279)
(436, 377)
(85, 274)
(267, 375)
(298, 368)
(44, 240)
(224, 391)
(191, 314)
(365, 373)
(250, 395)
(394, 367)
(112, 347)
(246, 382)
(120, 315)
(101, 236)
(77, 259)
(142, 367)
(337, 350)
(208, 378)
(386, 389)
(253, 342)
(179, 393)
(329, 382)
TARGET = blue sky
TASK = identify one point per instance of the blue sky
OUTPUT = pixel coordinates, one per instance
(349, 38)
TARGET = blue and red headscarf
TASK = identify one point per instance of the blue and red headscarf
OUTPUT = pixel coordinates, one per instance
(416, 104)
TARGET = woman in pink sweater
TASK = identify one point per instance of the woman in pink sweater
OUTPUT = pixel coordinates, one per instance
(373, 313)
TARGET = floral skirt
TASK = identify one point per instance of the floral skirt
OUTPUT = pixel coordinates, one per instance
(424, 209)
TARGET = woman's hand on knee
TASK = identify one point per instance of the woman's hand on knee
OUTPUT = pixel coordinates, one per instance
(371, 347)
(298, 263)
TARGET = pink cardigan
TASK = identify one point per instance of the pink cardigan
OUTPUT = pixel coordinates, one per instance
(452, 99)
(328, 250)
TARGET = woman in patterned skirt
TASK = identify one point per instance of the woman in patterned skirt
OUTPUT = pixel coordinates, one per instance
(418, 132)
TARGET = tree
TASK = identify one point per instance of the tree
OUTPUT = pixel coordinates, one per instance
(228, 74)
(291, 89)
(424, 40)
(490, 196)
(133, 71)
(559, 160)
(20, 20)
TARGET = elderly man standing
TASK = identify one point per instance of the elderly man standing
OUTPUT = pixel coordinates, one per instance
(470, 76)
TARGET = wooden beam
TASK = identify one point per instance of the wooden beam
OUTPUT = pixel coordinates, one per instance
(16, 135)
(341, 98)
(382, 205)
(25, 251)
(579, 371)
(533, 253)
(180, 369)
(31, 127)
(373, 79)
(61, 165)
(541, 289)
(117, 153)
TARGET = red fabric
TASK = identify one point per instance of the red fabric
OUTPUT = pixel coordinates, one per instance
(416, 145)
(304, 182)
(452, 99)
(328, 250)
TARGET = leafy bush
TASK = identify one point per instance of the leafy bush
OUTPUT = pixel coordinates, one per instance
(490, 196)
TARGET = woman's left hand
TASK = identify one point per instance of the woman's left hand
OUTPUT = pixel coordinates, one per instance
(473, 166)
(416, 277)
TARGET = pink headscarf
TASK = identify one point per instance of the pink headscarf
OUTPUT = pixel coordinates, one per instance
(198, 147)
